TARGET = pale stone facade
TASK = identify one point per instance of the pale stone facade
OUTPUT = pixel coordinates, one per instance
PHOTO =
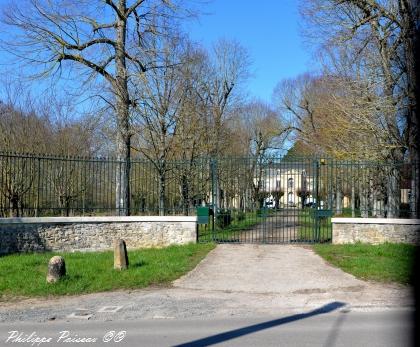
(290, 181)
(93, 233)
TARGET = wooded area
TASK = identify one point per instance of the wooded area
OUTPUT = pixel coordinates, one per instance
(156, 95)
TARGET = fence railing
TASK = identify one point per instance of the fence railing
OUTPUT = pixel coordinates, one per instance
(32, 185)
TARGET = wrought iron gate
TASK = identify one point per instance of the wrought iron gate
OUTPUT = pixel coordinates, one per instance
(292, 201)
(270, 200)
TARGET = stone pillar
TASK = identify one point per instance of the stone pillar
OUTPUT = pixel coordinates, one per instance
(56, 269)
(120, 255)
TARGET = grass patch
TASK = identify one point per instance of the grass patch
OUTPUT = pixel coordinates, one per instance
(383, 263)
(347, 212)
(23, 275)
(230, 232)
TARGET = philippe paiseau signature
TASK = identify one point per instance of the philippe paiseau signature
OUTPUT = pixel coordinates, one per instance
(65, 336)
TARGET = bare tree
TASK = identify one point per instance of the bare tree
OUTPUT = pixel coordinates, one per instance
(190, 144)
(345, 119)
(227, 69)
(35, 125)
(162, 93)
(22, 128)
(260, 133)
(102, 37)
(261, 129)
(385, 31)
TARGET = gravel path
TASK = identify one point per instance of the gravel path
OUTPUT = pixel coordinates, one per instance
(274, 230)
(234, 280)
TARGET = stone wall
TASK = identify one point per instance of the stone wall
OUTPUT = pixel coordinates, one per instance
(93, 233)
(375, 230)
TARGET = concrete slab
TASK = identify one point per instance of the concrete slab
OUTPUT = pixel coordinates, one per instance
(80, 314)
(109, 309)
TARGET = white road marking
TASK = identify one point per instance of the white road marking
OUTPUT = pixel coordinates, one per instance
(110, 309)
(81, 313)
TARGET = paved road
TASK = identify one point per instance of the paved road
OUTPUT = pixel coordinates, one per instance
(313, 328)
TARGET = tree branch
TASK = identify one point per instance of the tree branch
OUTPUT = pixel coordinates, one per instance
(99, 69)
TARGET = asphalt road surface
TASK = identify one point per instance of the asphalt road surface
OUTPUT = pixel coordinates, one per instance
(329, 325)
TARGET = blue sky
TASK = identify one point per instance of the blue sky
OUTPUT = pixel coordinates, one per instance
(269, 29)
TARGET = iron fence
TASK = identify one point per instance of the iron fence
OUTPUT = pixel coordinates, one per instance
(32, 185)
(52, 186)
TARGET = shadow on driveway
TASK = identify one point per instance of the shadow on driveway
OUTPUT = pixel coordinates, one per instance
(229, 335)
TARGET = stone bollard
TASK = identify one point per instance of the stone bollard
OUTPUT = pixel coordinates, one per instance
(56, 269)
(120, 255)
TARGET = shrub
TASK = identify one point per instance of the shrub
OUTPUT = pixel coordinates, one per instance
(262, 212)
(240, 216)
(224, 218)
(404, 210)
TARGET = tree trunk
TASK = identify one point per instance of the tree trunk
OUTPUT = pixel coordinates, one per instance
(379, 208)
(14, 205)
(377, 199)
(162, 190)
(185, 194)
(353, 201)
(215, 199)
(364, 201)
(375, 206)
(123, 140)
(393, 192)
(412, 48)
(339, 202)
(414, 194)
(372, 195)
(217, 190)
(122, 189)
(68, 209)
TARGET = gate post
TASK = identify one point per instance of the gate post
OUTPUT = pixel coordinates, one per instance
(317, 204)
(214, 187)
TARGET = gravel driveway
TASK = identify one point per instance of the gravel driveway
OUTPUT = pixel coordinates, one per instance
(233, 280)
(262, 269)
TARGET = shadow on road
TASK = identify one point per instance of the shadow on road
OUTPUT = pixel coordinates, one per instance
(229, 335)
(335, 330)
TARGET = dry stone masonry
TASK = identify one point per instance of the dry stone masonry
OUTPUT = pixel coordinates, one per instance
(93, 233)
(375, 230)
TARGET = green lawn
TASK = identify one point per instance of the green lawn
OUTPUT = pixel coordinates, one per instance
(23, 275)
(246, 222)
(305, 226)
(347, 212)
(384, 263)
